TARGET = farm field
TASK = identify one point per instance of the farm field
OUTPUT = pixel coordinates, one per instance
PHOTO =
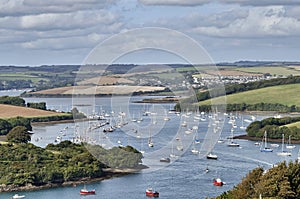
(295, 124)
(283, 94)
(273, 70)
(94, 90)
(8, 111)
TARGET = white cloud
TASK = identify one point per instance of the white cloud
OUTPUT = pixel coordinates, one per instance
(53, 29)
(79, 42)
(201, 2)
(32, 7)
(260, 22)
(175, 2)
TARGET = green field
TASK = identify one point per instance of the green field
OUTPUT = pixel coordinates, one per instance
(273, 70)
(20, 76)
(295, 124)
(284, 94)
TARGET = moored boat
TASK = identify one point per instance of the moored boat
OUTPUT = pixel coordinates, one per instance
(212, 156)
(233, 144)
(167, 160)
(218, 182)
(283, 153)
(264, 141)
(151, 193)
(84, 191)
(16, 196)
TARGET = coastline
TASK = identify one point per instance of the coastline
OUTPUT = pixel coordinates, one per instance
(109, 173)
(279, 140)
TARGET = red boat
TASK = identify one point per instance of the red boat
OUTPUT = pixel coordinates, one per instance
(151, 193)
(87, 192)
(218, 182)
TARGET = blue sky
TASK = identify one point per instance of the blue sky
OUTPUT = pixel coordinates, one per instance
(34, 32)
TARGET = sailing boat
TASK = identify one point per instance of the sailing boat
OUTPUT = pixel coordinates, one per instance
(283, 153)
(264, 143)
(243, 127)
(172, 154)
(231, 142)
(194, 149)
(290, 146)
(210, 155)
(150, 142)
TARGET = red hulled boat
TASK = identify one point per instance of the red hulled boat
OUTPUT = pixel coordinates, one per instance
(218, 182)
(151, 193)
(87, 192)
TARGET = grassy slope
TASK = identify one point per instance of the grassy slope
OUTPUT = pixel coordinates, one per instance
(295, 124)
(283, 94)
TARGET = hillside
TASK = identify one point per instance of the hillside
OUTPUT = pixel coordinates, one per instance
(281, 181)
(9, 111)
(283, 94)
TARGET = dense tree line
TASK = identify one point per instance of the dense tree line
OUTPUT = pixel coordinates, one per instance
(282, 181)
(23, 164)
(37, 105)
(12, 100)
(274, 127)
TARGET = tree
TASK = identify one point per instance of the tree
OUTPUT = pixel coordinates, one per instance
(20, 121)
(18, 134)
(5, 127)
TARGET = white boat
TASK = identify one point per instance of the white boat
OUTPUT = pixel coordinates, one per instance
(243, 127)
(274, 145)
(150, 142)
(180, 147)
(283, 153)
(231, 142)
(220, 141)
(212, 156)
(290, 145)
(298, 155)
(18, 196)
(264, 146)
(194, 149)
(172, 154)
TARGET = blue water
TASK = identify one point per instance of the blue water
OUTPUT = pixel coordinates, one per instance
(185, 177)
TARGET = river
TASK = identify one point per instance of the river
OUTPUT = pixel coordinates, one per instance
(184, 177)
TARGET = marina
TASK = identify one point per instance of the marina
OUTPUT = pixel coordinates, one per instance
(179, 177)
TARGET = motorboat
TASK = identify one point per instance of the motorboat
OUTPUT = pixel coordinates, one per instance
(85, 191)
(151, 193)
(218, 182)
(212, 156)
(16, 196)
(167, 160)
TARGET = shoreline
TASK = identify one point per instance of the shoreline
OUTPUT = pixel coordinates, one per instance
(108, 174)
(279, 140)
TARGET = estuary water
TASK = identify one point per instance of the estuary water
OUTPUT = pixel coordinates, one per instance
(185, 176)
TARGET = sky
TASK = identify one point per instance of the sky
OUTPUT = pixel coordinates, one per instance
(34, 32)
